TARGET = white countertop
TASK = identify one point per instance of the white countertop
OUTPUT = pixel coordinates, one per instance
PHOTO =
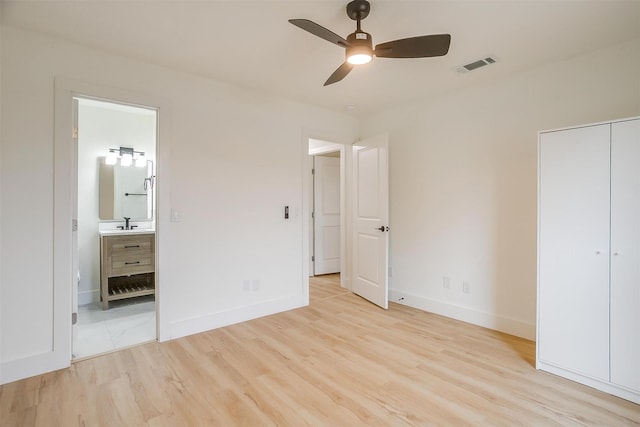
(119, 232)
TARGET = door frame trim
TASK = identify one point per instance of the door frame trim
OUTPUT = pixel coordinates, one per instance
(65, 90)
(307, 165)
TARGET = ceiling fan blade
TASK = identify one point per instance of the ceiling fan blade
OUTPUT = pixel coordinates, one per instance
(339, 74)
(415, 47)
(320, 31)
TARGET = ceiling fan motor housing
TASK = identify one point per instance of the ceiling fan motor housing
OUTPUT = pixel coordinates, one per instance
(359, 42)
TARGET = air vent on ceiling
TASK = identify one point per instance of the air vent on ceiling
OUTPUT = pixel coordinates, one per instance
(476, 64)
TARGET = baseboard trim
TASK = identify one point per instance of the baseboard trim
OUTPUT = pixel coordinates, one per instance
(88, 297)
(466, 314)
(30, 366)
(195, 325)
(605, 386)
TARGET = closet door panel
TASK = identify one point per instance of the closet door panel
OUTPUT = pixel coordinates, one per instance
(625, 254)
(573, 250)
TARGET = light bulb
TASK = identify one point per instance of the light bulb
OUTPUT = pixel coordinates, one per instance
(111, 158)
(141, 160)
(126, 159)
(359, 59)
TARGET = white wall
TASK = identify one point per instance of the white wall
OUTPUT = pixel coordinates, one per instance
(233, 160)
(463, 183)
(100, 129)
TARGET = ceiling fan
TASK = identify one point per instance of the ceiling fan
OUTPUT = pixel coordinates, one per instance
(359, 47)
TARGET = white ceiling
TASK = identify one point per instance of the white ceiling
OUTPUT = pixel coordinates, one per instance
(251, 44)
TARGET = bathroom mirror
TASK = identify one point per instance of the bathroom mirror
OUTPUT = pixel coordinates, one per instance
(125, 191)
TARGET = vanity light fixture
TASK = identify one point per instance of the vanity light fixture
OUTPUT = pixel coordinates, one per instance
(126, 155)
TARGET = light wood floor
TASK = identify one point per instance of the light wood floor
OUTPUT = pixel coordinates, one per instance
(339, 362)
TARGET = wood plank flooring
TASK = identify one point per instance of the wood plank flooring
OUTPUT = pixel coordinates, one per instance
(339, 362)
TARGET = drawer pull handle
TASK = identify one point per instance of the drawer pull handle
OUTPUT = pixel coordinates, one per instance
(135, 262)
(131, 246)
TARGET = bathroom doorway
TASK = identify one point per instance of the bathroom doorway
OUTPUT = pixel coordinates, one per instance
(114, 298)
(326, 227)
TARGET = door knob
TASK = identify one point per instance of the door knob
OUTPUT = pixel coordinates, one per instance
(382, 228)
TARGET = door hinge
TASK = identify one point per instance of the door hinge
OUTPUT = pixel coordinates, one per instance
(313, 214)
(74, 318)
(75, 133)
(74, 225)
(313, 171)
(313, 258)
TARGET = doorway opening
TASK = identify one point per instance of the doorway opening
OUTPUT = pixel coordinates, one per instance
(114, 249)
(326, 204)
(364, 254)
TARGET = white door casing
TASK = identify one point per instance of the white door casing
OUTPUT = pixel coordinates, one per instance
(326, 214)
(371, 219)
(74, 232)
(309, 215)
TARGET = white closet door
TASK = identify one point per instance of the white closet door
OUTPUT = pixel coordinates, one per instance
(625, 254)
(574, 250)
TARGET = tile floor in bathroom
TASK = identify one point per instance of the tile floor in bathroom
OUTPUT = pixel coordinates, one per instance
(126, 323)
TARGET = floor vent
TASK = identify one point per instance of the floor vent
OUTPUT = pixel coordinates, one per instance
(476, 64)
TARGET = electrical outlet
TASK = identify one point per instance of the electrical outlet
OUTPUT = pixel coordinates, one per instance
(466, 288)
(446, 282)
(255, 284)
(246, 285)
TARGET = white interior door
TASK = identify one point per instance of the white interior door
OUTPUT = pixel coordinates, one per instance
(574, 250)
(75, 282)
(326, 214)
(371, 219)
(625, 254)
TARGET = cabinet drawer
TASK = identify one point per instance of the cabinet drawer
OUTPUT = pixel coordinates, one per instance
(131, 244)
(131, 264)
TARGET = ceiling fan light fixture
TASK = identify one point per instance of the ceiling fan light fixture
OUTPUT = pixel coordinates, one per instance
(359, 58)
(360, 49)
